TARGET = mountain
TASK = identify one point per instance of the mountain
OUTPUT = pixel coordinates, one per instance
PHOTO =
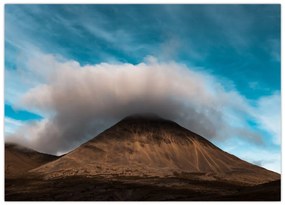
(19, 160)
(149, 146)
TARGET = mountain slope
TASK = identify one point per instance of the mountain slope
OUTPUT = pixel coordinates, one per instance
(19, 160)
(151, 146)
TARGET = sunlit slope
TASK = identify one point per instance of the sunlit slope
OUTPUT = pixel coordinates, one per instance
(151, 146)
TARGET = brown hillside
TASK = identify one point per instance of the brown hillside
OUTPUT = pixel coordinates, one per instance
(19, 160)
(151, 146)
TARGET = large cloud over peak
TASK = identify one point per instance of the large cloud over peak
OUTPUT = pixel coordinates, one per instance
(85, 100)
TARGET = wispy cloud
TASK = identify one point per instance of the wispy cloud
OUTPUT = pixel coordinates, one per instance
(268, 114)
(269, 158)
(12, 125)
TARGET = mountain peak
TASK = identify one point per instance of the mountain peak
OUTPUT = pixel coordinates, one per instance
(147, 145)
(150, 116)
(149, 127)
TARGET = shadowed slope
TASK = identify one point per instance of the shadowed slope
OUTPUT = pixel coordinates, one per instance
(19, 160)
(151, 146)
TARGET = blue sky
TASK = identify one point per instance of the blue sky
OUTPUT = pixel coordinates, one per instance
(238, 44)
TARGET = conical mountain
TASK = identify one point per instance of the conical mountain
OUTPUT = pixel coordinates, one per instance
(152, 146)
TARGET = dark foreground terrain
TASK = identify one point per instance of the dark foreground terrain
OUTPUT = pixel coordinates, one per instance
(135, 189)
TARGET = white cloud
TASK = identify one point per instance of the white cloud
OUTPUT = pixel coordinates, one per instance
(12, 125)
(253, 85)
(31, 131)
(86, 100)
(267, 157)
(268, 114)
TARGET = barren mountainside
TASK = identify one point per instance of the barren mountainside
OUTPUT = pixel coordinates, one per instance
(151, 146)
(19, 160)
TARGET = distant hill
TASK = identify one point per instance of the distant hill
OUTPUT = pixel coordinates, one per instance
(19, 160)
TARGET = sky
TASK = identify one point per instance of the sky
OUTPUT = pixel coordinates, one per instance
(72, 71)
